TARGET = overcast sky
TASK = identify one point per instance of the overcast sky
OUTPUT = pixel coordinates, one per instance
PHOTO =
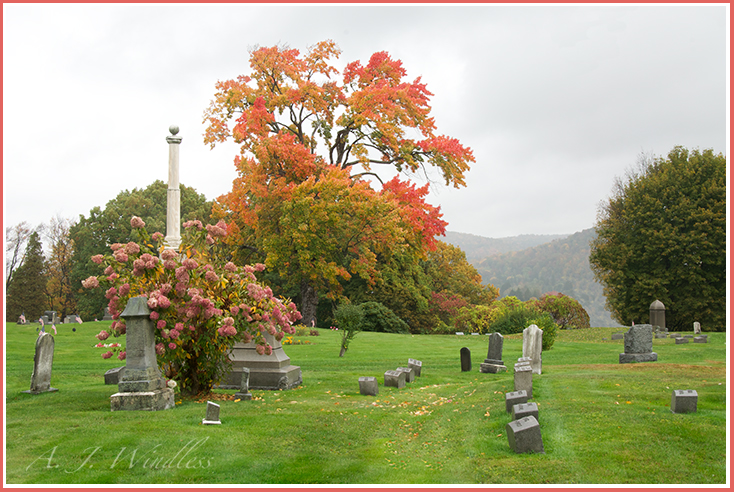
(555, 101)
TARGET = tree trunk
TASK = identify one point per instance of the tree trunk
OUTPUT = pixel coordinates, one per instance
(342, 351)
(309, 303)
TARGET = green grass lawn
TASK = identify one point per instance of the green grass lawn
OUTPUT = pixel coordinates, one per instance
(602, 422)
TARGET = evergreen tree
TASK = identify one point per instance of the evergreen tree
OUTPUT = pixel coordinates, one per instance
(27, 292)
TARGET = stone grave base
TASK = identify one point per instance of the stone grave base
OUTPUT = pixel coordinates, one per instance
(491, 368)
(626, 358)
(161, 399)
(38, 392)
(267, 372)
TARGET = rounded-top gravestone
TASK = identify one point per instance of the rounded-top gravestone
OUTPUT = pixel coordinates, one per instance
(657, 314)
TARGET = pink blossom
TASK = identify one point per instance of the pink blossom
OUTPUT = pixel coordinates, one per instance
(160, 349)
(168, 254)
(114, 276)
(260, 350)
(100, 344)
(136, 222)
(227, 331)
(90, 283)
(234, 309)
(268, 350)
(211, 276)
(108, 270)
(190, 264)
(122, 355)
(107, 354)
(217, 230)
(174, 334)
(121, 328)
(111, 292)
(209, 239)
(98, 259)
(230, 267)
(121, 256)
(157, 236)
(259, 267)
(161, 324)
(246, 338)
(102, 335)
(116, 246)
(193, 223)
(124, 289)
(172, 346)
(165, 288)
(154, 315)
(132, 248)
(182, 275)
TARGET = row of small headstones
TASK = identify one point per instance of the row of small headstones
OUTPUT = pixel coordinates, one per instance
(396, 379)
(678, 339)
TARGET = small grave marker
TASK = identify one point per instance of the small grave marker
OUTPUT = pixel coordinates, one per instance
(212, 414)
(680, 340)
(524, 379)
(524, 436)
(684, 401)
(416, 365)
(409, 374)
(368, 386)
(701, 339)
(465, 354)
(522, 410)
(514, 398)
(395, 379)
(244, 392)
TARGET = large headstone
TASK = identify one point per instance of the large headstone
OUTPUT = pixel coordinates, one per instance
(141, 386)
(696, 328)
(638, 345)
(42, 364)
(532, 346)
(493, 363)
(657, 314)
(267, 372)
(465, 354)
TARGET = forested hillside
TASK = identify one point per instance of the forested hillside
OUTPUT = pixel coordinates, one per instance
(478, 248)
(560, 263)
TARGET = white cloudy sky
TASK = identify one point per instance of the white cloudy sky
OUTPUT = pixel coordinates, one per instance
(555, 101)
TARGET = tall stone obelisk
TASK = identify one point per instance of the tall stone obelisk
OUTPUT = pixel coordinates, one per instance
(173, 211)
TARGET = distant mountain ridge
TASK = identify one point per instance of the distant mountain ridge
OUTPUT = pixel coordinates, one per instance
(530, 265)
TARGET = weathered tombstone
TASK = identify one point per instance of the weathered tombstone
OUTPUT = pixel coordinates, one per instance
(515, 398)
(112, 376)
(42, 364)
(688, 336)
(696, 328)
(267, 372)
(524, 379)
(72, 318)
(523, 435)
(493, 363)
(107, 316)
(524, 360)
(674, 335)
(684, 401)
(459, 332)
(396, 379)
(465, 354)
(475, 333)
(618, 336)
(244, 392)
(141, 387)
(522, 410)
(368, 386)
(51, 317)
(532, 346)
(701, 339)
(680, 340)
(657, 314)
(212, 414)
(416, 365)
(409, 375)
(638, 345)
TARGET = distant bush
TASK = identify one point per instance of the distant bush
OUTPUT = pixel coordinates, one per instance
(550, 329)
(349, 318)
(567, 312)
(378, 317)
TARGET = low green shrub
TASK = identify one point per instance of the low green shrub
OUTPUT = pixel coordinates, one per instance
(379, 318)
(550, 329)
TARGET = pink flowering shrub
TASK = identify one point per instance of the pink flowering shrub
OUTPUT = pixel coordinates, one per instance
(200, 304)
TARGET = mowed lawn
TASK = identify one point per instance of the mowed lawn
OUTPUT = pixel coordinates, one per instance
(601, 422)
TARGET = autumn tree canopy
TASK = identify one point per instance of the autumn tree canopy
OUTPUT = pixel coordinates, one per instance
(311, 138)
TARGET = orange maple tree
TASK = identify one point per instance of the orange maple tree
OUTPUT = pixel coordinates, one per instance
(303, 197)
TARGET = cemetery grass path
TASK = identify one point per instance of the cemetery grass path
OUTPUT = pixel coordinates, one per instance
(601, 422)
